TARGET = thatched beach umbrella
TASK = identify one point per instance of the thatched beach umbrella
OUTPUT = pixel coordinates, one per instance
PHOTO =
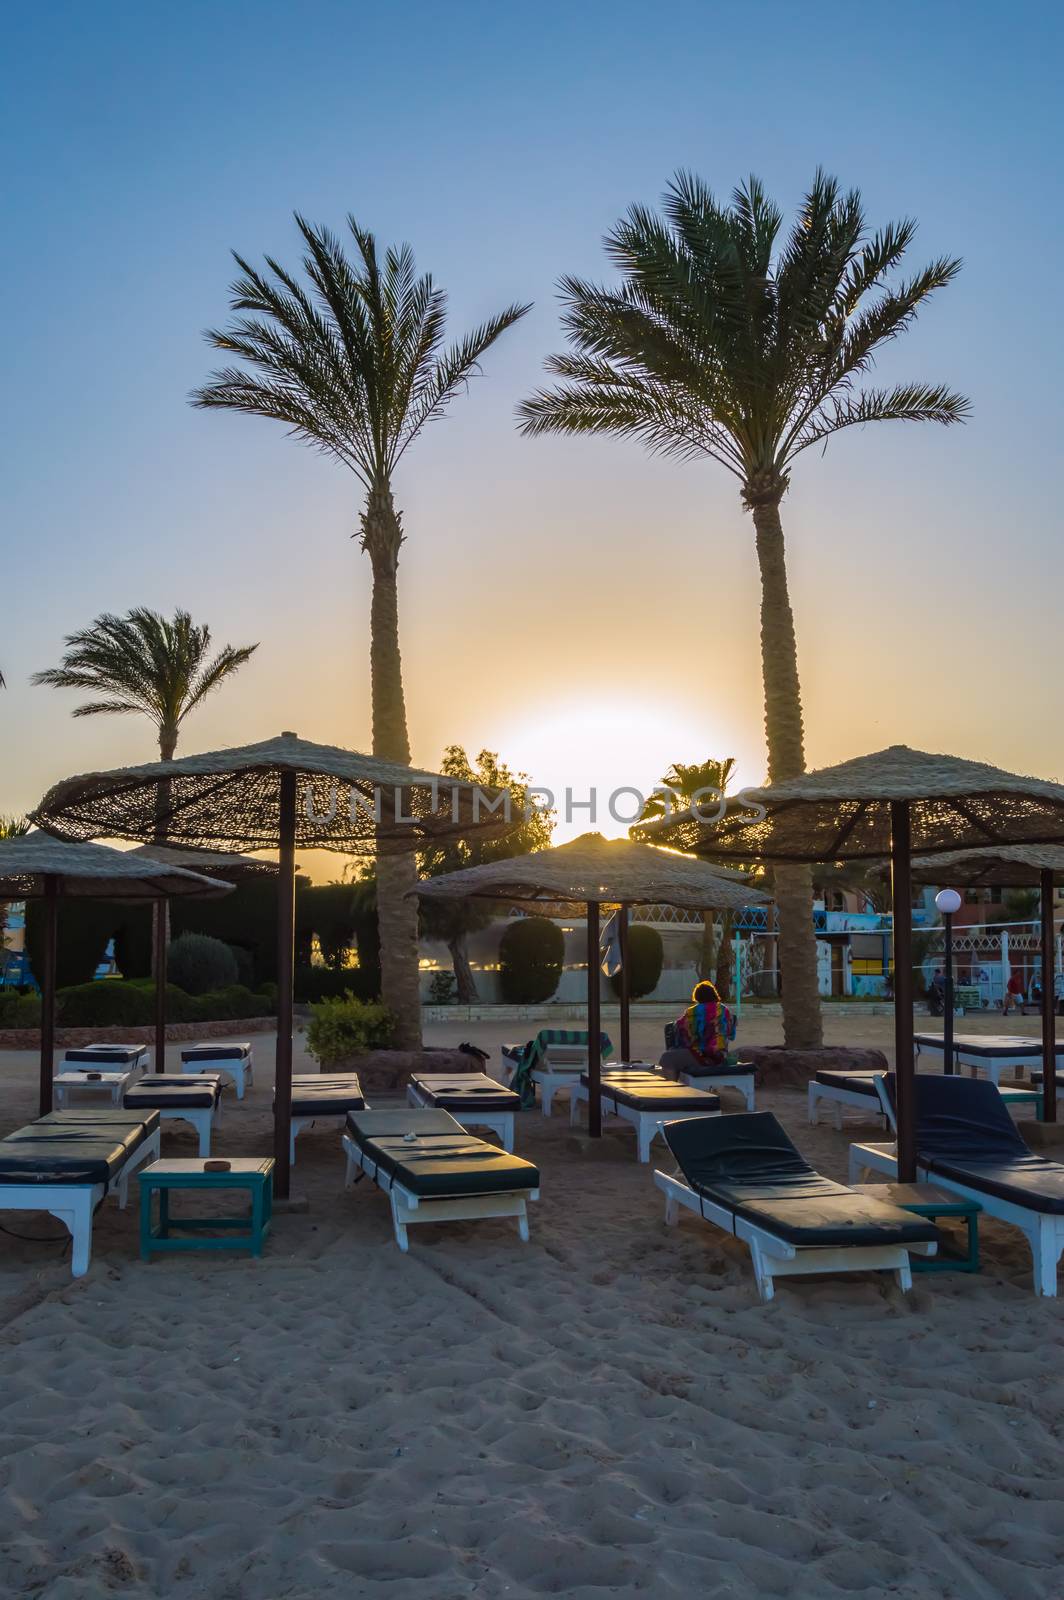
(1016, 866)
(598, 872)
(893, 803)
(40, 867)
(283, 794)
(227, 865)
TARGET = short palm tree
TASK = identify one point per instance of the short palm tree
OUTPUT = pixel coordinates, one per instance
(353, 361)
(723, 341)
(146, 664)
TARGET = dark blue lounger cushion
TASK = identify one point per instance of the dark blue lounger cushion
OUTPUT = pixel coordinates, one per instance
(855, 1082)
(964, 1132)
(326, 1095)
(216, 1052)
(441, 1160)
(118, 1055)
(468, 1092)
(168, 1091)
(648, 1091)
(82, 1146)
(748, 1166)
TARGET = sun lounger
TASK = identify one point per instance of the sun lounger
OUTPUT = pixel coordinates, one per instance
(854, 1088)
(65, 1163)
(967, 1142)
(998, 1055)
(214, 1056)
(473, 1099)
(553, 1060)
(322, 1097)
(731, 1075)
(179, 1098)
(98, 1071)
(434, 1171)
(744, 1175)
(644, 1098)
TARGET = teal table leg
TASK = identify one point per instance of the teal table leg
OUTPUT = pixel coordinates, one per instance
(972, 1263)
(164, 1213)
(258, 1198)
(145, 1220)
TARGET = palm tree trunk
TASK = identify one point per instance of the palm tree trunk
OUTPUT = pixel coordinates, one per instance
(726, 957)
(160, 936)
(707, 960)
(382, 536)
(802, 1028)
(466, 992)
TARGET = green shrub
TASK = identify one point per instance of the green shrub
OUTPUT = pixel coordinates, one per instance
(245, 966)
(19, 1010)
(342, 1027)
(108, 1003)
(199, 964)
(323, 983)
(531, 953)
(646, 955)
(442, 988)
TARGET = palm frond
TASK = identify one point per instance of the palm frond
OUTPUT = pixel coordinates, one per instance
(907, 402)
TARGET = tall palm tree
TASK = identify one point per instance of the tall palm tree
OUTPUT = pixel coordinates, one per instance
(723, 341)
(146, 664)
(353, 361)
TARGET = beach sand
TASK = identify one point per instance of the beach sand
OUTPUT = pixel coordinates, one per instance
(607, 1410)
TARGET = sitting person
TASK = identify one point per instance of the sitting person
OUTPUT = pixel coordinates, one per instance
(698, 1041)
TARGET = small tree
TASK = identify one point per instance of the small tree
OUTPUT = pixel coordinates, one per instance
(454, 920)
(531, 955)
(646, 957)
(198, 964)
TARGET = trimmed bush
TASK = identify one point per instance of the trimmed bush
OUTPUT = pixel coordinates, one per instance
(646, 956)
(531, 953)
(199, 964)
(341, 1027)
(19, 1010)
(323, 983)
(106, 1004)
(245, 966)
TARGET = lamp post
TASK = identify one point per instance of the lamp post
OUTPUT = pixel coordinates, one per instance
(948, 901)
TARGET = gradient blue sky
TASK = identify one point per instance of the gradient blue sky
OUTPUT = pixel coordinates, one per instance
(587, 611)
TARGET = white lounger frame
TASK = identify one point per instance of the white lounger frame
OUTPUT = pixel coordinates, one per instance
(647, 1124)
(241, 1071)
(743, 1081)
(842, 1097)
(111, 1084)
(409, 1208)
(1044, 1230)
(73, 1204)
(199, 1117)
(773, 1257)
(500, 1122)
(139, 1065)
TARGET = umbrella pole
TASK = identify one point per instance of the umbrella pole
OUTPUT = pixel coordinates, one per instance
(286, 930)
(159, 946)
(594, 1025)
(1049, 1004)
(48, 964)
(626, 1021)
(902, 901)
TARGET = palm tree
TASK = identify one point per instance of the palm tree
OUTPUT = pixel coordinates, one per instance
(694, 785)
(143, 663)
(353, 361)
(723, 342)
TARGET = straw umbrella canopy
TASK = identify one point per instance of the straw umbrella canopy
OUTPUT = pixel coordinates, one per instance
(40, 867)
(1015, 866)
(891, 803)
(230, 867)
(283, 794)
(598, 872)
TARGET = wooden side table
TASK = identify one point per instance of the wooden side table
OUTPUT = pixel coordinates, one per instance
(164, 1177)
(927, 1201)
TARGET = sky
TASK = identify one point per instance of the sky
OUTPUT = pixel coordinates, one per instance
(587, 611)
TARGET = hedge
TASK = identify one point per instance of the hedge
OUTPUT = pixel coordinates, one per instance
(110, 1003)
(531, 954)
(646, 956)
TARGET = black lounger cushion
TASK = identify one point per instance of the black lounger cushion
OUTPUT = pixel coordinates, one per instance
(326, 1095)
(748, 1166)
(729, 1069)
(441, 1160)
(118, 1055)
(169, 1091)
(1037, 1077)
(855, 1082)
(82, 1146)
(467, 1092)
(216, 1052)
(964, 1132)
(988, 1044)
(648, 1091)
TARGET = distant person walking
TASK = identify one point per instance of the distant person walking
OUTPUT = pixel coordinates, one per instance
(1013, 994)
